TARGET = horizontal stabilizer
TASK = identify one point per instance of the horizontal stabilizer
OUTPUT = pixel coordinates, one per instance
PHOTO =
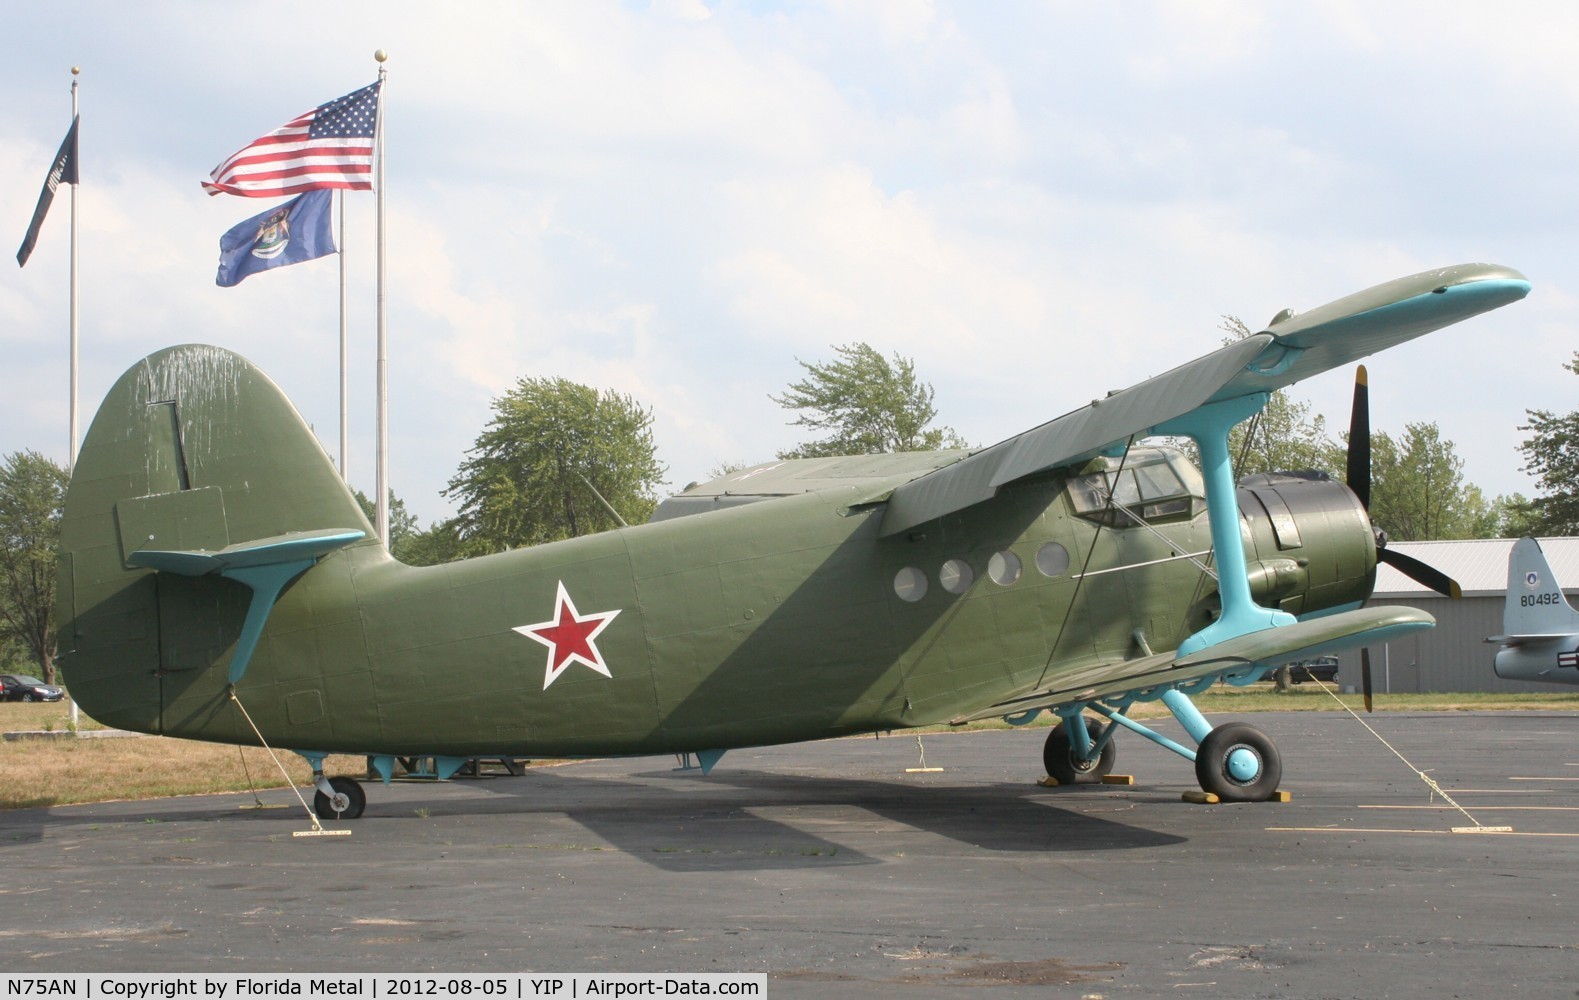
(294, 547)
(1268, 647)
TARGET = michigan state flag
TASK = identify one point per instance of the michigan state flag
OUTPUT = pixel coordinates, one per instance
(287, 234)
(62, 171)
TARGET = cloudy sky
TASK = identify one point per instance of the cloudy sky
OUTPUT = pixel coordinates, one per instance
(1036, 201)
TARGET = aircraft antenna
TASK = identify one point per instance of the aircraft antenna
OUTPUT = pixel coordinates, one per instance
(606, 505)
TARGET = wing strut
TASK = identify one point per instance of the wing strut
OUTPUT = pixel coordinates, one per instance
(1209, 426)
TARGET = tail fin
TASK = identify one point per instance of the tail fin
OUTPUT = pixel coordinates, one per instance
(1535, 604)
(195, 464)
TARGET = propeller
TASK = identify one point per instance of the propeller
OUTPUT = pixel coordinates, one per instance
(1357, 474)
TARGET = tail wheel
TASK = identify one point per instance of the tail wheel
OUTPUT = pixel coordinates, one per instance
(1065, 764)
(1238, 763)
(347, 802)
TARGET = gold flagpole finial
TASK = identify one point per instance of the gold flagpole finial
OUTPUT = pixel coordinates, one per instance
(381, 55)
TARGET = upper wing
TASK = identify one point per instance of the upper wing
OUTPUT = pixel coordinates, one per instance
(1293, 347)
(1267, 647)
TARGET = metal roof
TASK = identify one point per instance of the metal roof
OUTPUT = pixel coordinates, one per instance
(1480, 565)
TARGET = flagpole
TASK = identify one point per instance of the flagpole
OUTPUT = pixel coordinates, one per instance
(382, 506)
(71, 452)
(344, 446)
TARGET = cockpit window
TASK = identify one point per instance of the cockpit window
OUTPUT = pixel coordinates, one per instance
(1151, 484)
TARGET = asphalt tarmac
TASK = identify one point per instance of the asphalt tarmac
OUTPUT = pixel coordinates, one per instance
(836, 872)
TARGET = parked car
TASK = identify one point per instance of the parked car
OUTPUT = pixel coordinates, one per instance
(1322, 668)
(21, 687)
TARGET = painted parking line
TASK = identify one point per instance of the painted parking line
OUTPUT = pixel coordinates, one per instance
(1486, 808)
(1434, 833)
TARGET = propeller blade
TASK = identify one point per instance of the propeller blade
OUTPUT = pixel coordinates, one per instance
(1358, 471)
(1365, 675)
(1419, 572)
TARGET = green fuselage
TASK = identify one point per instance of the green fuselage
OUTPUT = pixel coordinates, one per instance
(773, 622)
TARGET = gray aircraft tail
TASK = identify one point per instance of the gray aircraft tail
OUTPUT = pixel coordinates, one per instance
(1535, 604)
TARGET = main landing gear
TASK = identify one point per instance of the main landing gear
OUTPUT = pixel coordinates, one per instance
(1234, 761)
(1238, 763)
(1073, 761)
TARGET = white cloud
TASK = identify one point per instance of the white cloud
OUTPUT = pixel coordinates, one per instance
(676, 200)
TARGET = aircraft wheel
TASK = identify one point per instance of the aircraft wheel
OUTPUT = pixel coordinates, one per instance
(1065, 765)
(1238, 763)
(348, 802)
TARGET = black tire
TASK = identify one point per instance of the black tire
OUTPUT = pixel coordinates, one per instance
(1066, 766)
(355, 799)
(1225, 751)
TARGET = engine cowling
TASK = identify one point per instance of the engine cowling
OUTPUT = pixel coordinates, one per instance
(1309, 546)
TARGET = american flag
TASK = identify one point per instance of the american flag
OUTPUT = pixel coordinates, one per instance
(330, 146)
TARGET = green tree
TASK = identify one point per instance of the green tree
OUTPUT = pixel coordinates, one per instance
(402, 523)
(441, 543)
(1285, 437)
(871, 404)
(32, 496)
(535, 473)
(1551, 455)
(1418, 492)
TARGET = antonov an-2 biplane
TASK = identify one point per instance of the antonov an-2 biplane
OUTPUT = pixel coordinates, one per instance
(219, 582)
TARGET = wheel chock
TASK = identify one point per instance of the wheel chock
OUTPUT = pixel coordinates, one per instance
(1209, 799)
(1049, 781)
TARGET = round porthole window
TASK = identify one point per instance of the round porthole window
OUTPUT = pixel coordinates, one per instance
(1052, 559)
(956, 576)
(910, 584)
(1003, 568)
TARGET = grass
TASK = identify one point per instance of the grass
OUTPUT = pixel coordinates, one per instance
(65, 771)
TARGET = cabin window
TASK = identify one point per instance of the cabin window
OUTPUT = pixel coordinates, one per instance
(1003, 568)
(910, 584)
(1052, 559)
(956, 576)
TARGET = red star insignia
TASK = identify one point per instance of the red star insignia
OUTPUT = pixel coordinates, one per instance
(569, 637)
